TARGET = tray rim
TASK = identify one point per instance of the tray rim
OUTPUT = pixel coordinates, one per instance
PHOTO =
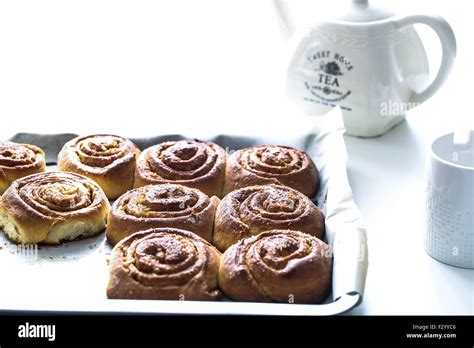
(160, 307)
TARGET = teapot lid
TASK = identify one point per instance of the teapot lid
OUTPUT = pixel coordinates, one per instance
(361, 11)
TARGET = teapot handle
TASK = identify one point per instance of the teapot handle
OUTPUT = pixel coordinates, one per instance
(448, 45)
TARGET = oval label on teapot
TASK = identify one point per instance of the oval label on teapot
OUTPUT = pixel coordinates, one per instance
(327, 70)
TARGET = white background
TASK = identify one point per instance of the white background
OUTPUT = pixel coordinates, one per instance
(148, 67)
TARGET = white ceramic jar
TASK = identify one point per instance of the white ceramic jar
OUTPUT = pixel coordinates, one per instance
(450, 201)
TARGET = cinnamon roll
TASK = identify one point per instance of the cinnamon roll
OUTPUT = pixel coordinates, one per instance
(164, 264)
(251, 210)
(109, 160)
(277, 266)
(52, 207)
(195, 164)
(17, 161)
(272, 164)
(166, 205)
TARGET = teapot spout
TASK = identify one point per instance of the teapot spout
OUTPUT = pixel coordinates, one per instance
(284, 17)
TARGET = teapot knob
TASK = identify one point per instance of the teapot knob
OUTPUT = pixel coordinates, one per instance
(360, 2)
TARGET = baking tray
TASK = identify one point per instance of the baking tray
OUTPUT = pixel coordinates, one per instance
(72, 277)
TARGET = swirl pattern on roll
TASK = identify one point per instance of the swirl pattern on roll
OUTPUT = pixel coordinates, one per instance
(166, 205)
(272, 164)
(53, 207)
(107, 159)
(17, 161)
(195, 164)
(277, 266)
(254, 209)
(164, 264)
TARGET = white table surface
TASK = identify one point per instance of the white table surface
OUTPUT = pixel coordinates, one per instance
(159, 66)
(387, 178)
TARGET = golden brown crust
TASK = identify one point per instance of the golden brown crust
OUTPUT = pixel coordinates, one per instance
(251, 210)
(166, 205)
(109, 160)
(197, 164)
(277, 266)
(164, 264)
(52, 207)
(271, 164)
(17, 161)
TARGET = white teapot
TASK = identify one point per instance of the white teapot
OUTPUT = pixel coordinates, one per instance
(369, 62)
